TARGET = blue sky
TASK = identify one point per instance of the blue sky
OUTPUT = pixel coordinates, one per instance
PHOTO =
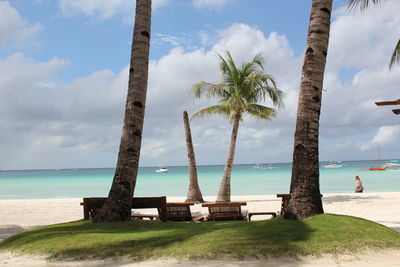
(63, 80)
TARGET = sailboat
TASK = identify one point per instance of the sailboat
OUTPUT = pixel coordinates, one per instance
(379, 168)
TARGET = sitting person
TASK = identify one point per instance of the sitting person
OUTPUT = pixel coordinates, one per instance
(359, 186)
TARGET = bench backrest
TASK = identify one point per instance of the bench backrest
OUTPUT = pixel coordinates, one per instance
(225, 207)
(179, 211)
(91, 204)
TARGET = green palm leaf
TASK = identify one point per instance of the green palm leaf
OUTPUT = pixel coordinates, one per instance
(362, 4)
(210, 90)
(260, 112)
(212, 110)
(395, 59)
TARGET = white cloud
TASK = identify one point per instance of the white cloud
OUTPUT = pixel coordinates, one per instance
(210, 4)
(13, 28)
(386, 135)
(173, 40)
(86, 115)
(39, 116)
(103, 9)
(364, 39)
(51, 121)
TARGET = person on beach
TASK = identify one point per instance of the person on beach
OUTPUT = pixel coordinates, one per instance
(359, 186)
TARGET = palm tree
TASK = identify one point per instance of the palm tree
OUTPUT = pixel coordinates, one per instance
(194, 193)
(305, 197)
(118, 204)
(239, 93)
(363, 4)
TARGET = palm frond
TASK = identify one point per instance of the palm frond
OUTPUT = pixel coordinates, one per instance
(264, 85)
(260, 112)
(258, 60)
(212, 110)
(210, 90)
(228, 69)
(395, 59)
(362, 4)
(276, 95)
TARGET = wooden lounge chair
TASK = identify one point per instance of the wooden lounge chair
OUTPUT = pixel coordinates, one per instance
(150, 202)
(225, 211)
(179, 211)
(92, 205)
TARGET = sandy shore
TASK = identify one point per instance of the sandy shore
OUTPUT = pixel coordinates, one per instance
(19, 215)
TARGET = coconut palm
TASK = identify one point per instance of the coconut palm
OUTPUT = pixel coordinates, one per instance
(118, 204)
(363, 4)
(239, 94)
(194, 193)
(305, 197)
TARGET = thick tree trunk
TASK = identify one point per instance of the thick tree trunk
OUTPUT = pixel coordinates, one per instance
(305, 198)
(194, 193)
(224, 192)
(118, 206)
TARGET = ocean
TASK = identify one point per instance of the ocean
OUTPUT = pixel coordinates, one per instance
(247, 179)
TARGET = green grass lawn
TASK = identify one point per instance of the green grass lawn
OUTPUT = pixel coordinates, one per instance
(326, 233)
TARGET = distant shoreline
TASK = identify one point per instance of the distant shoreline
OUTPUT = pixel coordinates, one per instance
(200, 165)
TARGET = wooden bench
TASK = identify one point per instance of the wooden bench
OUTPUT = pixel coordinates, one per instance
(91, 206)
(179, 211)
(261, 213)
(225, 211)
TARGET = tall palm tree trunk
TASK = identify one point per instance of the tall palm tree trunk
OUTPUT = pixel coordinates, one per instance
(224, 192)
(305, 198)
(194, 193)
(118, 204)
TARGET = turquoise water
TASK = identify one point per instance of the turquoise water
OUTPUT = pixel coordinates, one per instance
(246, 180)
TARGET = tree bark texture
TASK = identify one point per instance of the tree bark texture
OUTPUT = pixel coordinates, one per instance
(224, 192)
(194, 193)
(118, 206)
(305, 198)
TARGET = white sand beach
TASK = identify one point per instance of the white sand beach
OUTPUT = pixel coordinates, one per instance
(19, 215)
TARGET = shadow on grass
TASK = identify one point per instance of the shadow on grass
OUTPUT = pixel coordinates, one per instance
(146, 239)
(8, 230)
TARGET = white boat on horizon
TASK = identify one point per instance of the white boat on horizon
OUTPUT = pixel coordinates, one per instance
(393, 165)
(262, 167)
(333, 165)
(162, 170)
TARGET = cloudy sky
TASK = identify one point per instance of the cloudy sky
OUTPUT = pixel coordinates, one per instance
(63, 80)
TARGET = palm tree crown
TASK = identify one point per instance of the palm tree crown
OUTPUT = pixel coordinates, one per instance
(240, 91)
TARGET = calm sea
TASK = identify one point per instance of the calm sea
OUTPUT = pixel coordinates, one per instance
(246, 180)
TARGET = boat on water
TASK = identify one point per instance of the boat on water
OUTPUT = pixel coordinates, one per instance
(262, 167)
(379, 167)
(333, 165)
(162, 170)
(393, 165)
